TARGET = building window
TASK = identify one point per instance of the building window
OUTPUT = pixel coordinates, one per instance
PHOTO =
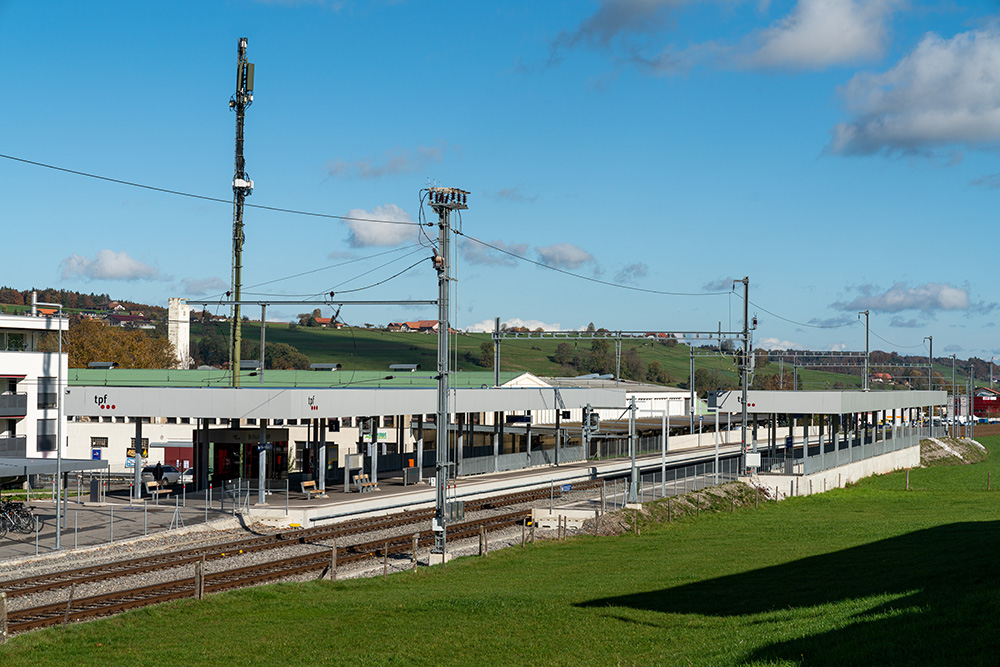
(389, 421)
(47, 392)
(346, 422)
(145, 443)
(98, 441)
(47, 438)
(15, 342)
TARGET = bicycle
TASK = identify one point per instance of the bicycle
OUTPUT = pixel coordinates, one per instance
(16, 516)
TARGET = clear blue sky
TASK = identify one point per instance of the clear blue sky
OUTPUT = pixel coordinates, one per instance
(842, 154)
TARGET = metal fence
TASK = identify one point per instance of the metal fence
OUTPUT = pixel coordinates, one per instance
(486, 464)
(822, 453)
(676, 481)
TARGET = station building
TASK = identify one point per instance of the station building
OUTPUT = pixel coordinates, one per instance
(315, 424)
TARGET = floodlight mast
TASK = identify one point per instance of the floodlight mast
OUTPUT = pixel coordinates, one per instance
(242, 188)
(443, 201)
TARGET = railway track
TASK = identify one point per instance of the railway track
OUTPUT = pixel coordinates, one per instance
(63, 579)
(113, 603)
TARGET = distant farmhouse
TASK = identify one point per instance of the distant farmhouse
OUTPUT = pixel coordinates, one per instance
(420, 326)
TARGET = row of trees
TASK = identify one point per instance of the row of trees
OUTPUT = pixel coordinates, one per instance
(213, 350)
(70, 300)
(601, 359)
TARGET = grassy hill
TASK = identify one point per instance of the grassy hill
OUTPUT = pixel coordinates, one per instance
(373, 349)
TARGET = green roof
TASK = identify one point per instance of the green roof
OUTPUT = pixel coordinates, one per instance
(129, 377)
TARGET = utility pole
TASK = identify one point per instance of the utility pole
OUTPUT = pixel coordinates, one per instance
(930, 385)
(633, 487)
(496, 353)
(954, 400)
(694, 396)
(865, 313)
(242, 188)
(443, 201)
(745, 365)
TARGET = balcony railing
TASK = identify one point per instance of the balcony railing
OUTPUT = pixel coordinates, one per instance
(13, 405)
(16, 447)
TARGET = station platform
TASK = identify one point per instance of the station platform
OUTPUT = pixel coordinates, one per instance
(90, 526)
(393, 495)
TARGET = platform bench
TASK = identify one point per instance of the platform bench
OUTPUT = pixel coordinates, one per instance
(309, 488)
(364, 483)
(157, 489)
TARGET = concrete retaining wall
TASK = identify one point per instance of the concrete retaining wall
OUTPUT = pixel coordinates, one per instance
(804, 485)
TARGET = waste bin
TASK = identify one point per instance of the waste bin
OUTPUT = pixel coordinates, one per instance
(95, 490)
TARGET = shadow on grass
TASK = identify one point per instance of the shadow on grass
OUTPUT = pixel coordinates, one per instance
(942, 585)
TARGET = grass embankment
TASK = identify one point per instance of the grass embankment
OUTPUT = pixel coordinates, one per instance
(872, 574)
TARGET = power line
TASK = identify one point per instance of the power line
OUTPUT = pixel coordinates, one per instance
(802, 324)
(324, 268)
(420, 224)
(204, 197)
(888, 342)
(608, 283)
(381, 282)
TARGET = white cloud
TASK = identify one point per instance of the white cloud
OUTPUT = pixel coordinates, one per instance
(776, 344)
(477, 253)
(200, 286)
(564, 256)
(631, 273)
(818, 33)
(901, 323)
(928, 298)
(368, 230)
(108, 265)
(719, 285)
(398, 161)
(615, 19)
(488, 325)
(946, 92)
(515, 194)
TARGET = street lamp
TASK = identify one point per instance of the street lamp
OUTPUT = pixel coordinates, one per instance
(930, 384)
(60, 504)
(865, 313)
(954, 400)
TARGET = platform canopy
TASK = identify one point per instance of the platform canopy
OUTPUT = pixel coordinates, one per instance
(827, 402)
(298, 403)
(12, 467)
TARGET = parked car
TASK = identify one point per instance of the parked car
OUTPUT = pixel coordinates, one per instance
(187, 477)
(169, 474)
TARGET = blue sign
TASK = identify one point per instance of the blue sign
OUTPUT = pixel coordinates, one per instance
(567, 488)
(95, 454)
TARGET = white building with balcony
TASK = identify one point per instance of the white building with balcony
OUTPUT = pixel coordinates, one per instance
(29, 390)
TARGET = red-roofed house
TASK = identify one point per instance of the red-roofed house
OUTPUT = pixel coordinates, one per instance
(422, 326)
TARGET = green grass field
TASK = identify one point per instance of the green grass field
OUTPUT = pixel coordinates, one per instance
(364, 349)
(869, 575)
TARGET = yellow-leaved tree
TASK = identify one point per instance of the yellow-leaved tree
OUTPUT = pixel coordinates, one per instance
(90, 340)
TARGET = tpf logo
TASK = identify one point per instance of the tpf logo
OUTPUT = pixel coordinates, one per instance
(102, 402)
(312, 403)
